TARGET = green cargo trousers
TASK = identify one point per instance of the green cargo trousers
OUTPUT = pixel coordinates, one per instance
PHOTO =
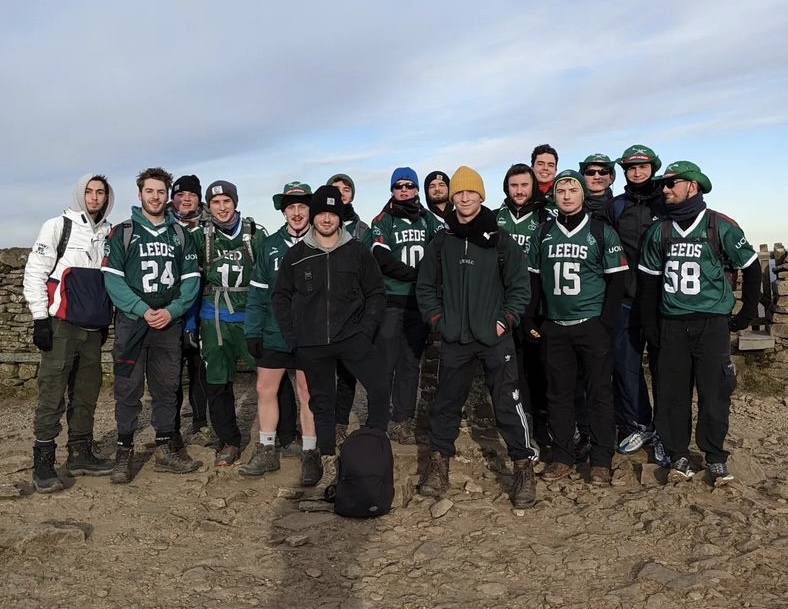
(74, 366)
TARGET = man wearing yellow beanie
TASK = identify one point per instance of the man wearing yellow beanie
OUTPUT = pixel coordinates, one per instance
(472, 287)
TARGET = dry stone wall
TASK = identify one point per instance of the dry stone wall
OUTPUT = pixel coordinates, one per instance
(762, 356)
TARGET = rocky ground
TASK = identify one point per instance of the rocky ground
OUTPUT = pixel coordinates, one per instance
(213, 538)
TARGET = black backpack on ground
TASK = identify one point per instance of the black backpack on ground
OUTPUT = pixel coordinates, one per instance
(365, 476)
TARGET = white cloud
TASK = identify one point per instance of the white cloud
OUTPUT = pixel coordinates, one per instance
(261, 93)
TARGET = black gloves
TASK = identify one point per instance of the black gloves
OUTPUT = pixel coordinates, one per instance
(255, 346)
(42, 333)
(738, 322)
(104, 335)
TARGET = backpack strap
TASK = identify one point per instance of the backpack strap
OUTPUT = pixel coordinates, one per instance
(361, 229)
(597, 229)
(179, 234)
(128, 229)
(665, 228)
(618, 209)
(713, 235)
(209, 230)
(248, 227)
(540, 234)
(62, 244)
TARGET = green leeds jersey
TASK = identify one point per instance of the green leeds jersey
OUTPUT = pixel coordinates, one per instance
(260, 321)
(406, 241)
(230, 269)
(523, 227)
(694, 279)
(154, 269)
(572, 267)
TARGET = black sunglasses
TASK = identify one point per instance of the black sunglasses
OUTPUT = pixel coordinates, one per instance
(404, 186)
(670, 183)
(601, 172)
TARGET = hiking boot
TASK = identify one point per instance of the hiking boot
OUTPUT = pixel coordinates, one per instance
(82, 461)
(436, 480)
(227, 455)
(661, 456)
(523, 492)
(719, 474)
(293, 449)
(121, 471)
(403, 432)
(45, 478)
(168, 460)
(311, 469)
(680, 471)
(555, 471)
(179, 447)
(264, 459)
(600, 476)
(204, 436)
(636, 440)
(326, 486)
(340, 433)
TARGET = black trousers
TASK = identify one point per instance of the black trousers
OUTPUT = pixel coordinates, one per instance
(346, 393)
(198, 390)
(694, 352)
(401, 338)
(287, 428)
(319, 364)
(456, 369)
(566, 350)
(221, 403)
(533, 385)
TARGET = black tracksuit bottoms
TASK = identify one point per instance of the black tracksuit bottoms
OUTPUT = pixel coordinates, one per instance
(587, 345)
(319, 364)
(694, 352)
(456, 369)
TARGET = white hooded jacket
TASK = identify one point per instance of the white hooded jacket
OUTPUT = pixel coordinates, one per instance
(85, 249)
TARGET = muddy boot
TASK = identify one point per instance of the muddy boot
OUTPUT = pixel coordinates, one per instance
(265, 459)
(340, 435)
(311, 470)
(403, 432)
(179, 447)
(326, 486)
(436, 481)
(168, 460)
(121, 471)
(82, 461)
(45, 478)
(523, 493)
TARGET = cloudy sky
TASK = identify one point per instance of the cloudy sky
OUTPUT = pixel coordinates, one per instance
(261, 93)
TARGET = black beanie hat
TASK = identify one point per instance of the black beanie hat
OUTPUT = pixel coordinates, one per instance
(325, 199)
(187, 184)
(436, 175)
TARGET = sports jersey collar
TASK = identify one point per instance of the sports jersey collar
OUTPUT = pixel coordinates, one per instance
(691, 227)
(577, 229)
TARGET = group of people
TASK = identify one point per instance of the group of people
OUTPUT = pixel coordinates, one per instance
(557, 294)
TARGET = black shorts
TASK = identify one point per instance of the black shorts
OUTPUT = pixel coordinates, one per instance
(274, 360)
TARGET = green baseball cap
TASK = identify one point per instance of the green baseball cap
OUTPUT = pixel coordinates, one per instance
(687, 170)
(298, 191)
